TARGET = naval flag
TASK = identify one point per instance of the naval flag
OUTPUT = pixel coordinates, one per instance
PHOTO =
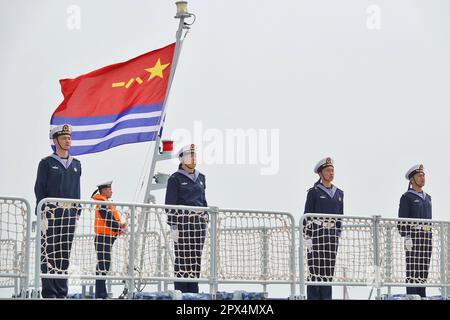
(117, 104)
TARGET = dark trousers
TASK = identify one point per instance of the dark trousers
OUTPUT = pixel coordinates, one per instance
(56, 243)
(188, 252)
(418, 261)
(319, 292)
(321, 263)
(103, 246)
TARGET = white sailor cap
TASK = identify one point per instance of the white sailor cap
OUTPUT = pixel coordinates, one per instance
(322, 164)
(190, 148)
(60, 130)
(105, 184)
(418, 168)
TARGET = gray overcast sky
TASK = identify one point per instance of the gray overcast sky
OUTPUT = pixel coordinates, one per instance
(375, 100)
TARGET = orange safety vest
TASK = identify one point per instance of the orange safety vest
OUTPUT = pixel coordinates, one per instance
(100, 226)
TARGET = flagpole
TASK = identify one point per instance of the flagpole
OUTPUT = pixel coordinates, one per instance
(182, 14)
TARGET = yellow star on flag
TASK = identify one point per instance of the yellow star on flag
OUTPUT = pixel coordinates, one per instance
(156, 70)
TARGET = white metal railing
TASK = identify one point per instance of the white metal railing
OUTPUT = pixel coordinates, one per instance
(15, 230)
(370, 251)
(238, 246)
(256, 247)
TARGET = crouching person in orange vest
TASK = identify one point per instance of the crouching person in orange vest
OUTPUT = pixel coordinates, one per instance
(107, 227)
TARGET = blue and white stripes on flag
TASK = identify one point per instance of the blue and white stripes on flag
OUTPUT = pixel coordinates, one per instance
(95, 134)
